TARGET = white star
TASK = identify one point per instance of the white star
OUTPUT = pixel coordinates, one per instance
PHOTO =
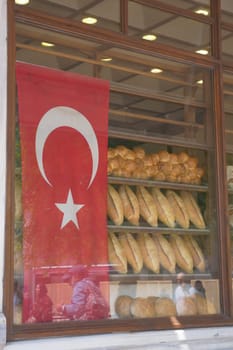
(69, 210)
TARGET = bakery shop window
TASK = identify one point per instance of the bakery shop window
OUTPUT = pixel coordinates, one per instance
(159, 24)
(158, 256)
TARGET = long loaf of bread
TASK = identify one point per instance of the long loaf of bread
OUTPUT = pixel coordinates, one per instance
(114, 206)
(132, 251)
(180, 212)
(149, 252)
(130, 204)
(183, 256)
(166, 255)
(193, 209)
(147, 206)
(116, 255)
(196, 252)
(164, 209)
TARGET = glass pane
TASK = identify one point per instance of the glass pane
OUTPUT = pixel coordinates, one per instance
(160, 154)
(227, 11)
(228, 111)
(189, 4)
(104, 13)
(168, 28)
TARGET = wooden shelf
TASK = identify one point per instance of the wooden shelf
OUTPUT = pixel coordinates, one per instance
(160, 184)
(159, 229)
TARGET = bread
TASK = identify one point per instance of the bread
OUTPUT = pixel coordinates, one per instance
(165, 307)
(180, 212)
(132, 251)
(139, 152)
(125, 152)
(122, 306)
(130, 204)
(147, 206)
(193, 209)
(141, 308)
(164, 156)
(149, 252)
(116, 255)
(164, 209)
(114, 206)
(166, 255)
(182, 157)
(211, 310)
(201, 304)
(183, 256)
(196, 252)
(186, 306)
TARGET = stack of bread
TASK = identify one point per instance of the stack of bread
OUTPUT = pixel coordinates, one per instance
(195, 305)
(161, 166)
(128, 307)
(153, 206)
(153, 306)
(153, 252)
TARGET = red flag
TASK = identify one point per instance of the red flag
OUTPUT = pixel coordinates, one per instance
(63, 121)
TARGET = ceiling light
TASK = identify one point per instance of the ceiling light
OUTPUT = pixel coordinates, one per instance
(156, 70)
(22, 2)
(200, 82)
(46, 44)
(149, 37)
(202, 52)
(106, 59)
(89, 20)
(202, 12)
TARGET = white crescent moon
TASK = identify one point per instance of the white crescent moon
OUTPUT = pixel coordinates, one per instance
(65, 116)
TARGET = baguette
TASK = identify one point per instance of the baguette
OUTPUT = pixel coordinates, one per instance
(130, 204)
(147, 206)
(166, 255)
(183, 256)
(114, 206)
(164, 209)
(193, 209)
(196, 252)
(132, 251)
(116, 255)
(180, 212)
(149, 252)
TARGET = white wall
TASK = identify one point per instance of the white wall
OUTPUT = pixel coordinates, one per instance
(3, 80)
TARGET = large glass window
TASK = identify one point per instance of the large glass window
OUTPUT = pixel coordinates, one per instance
(159, 255)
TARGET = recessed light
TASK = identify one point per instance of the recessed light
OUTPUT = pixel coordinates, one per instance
(22, 2)
(149, 37)
(202, 52)
(202, 12)
(199, 82)
(106, 59)
(46, 44)
(89, 20)
(156, 70)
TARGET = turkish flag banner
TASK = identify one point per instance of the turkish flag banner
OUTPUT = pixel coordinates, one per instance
(63, 121)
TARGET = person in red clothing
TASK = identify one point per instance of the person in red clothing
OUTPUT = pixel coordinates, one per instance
(42, 307)
(87, 302)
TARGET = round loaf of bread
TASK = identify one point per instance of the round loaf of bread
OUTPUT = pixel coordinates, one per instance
(142, 308)
(165, 307)
(186, 306)
(122, 306)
